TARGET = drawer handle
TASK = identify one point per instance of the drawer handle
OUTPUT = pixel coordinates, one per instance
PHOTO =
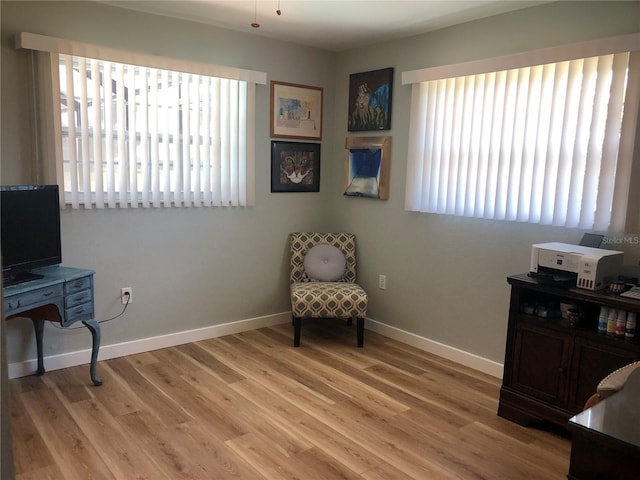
(47, 294)
(78, 310)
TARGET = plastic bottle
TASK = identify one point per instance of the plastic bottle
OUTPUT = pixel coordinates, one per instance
(602, 320)
(630, 327)
(611, 321)
(621, 323)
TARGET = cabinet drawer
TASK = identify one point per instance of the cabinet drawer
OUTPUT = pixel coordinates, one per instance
(34, 298)
(77, 298)
(77, 285)
(79, 312)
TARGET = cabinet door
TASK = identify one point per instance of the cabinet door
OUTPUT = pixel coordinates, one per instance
(592, 361)
(541, 363)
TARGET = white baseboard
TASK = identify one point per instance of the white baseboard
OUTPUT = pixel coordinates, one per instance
(83, 357)
(450, 353)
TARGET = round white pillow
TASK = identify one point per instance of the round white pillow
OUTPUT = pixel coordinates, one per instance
(325, 263)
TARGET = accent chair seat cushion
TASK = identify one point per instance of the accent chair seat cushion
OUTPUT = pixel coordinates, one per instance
(328, 300)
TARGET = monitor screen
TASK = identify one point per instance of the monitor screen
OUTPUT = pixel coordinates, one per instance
(30, 229)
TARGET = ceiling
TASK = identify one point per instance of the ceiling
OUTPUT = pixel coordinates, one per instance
(333, 25)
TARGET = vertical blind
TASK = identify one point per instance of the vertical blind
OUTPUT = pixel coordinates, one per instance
(134, 130)
(538, 144)
(150, 137)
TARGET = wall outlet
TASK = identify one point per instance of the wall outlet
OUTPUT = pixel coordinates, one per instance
(123, 295)
(382, 282)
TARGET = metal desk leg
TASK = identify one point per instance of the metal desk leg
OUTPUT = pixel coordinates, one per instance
(38, 326)
(94, 328)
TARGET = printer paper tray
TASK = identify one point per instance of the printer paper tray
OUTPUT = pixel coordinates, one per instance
(549, 276)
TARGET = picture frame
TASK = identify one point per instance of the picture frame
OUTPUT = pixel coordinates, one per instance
(366, 167)
(295, 167)
(296, 111)
(370, 96)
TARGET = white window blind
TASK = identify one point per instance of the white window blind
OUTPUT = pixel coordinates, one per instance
(144, 134)
(548, 143)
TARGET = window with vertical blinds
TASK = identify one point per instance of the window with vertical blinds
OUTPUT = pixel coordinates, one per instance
(549, 143)
(143, 135)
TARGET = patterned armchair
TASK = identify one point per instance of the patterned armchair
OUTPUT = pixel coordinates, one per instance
(316, 297)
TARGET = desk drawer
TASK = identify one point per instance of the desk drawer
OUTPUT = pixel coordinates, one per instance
(76, 285)
(79, 312)
(35, 298)
(78, 298)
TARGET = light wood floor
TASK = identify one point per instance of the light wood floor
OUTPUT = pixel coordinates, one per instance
(250, 406)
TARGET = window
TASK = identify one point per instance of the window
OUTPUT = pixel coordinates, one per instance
(548, 143)
(140, 131)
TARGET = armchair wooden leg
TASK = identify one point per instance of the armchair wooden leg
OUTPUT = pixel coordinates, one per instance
(349, 321)
(360, 328)
(297, 324)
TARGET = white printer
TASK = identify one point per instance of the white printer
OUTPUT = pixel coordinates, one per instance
(584, 267)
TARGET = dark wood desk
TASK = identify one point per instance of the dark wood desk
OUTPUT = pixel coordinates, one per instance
(605, 441)
(63, 295)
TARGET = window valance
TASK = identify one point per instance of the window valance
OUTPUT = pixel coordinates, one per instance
(594, 48)
(43, 43)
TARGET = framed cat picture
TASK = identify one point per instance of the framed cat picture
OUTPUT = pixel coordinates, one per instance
(370, 100)
(295, 167)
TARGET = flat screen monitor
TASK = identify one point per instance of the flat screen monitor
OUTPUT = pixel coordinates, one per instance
(30, 230)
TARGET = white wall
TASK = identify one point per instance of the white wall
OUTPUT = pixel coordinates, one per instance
(446, 276)
(189, 268)
(196, 268)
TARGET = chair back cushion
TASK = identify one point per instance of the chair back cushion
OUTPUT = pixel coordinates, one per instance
(302, 242)
(614, 382)
(325, 263)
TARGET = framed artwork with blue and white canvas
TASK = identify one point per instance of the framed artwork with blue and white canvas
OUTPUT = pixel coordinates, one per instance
(366, 167)
(370, 100)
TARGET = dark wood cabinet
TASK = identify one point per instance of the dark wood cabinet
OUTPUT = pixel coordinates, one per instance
(551, 366)
(544, 378)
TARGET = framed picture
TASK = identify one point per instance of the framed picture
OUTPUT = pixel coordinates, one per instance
(296, 111)
(370, 100)
(366, 167)
(295, 167)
